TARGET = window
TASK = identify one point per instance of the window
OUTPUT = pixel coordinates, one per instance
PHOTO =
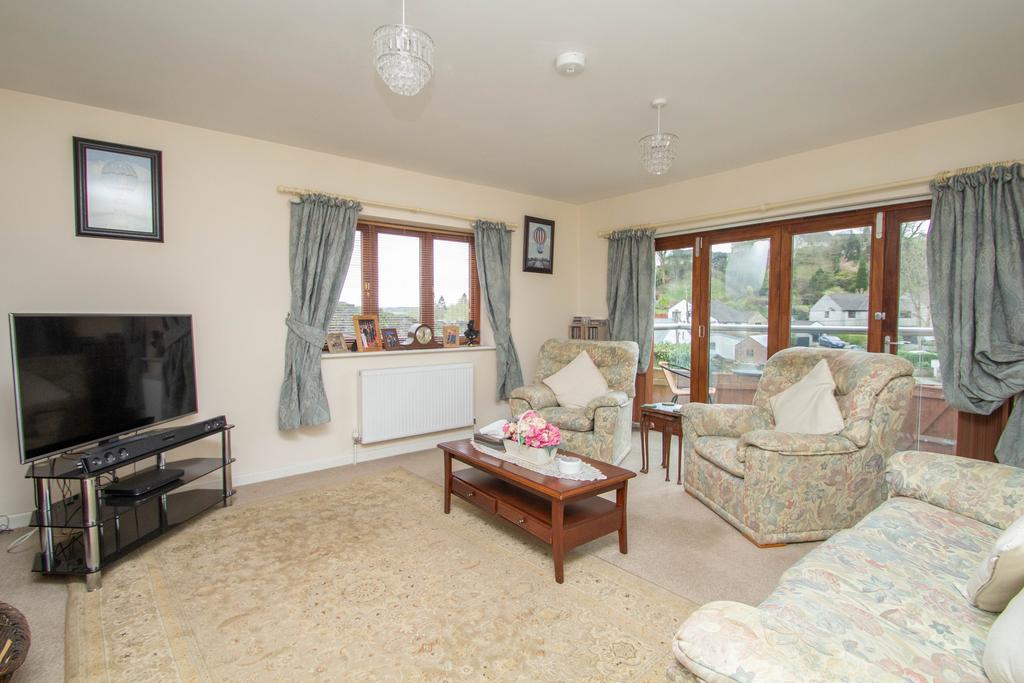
(851, 314)
(407, 276)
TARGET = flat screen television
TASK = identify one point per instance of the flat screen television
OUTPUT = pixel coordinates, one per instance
(81, 379)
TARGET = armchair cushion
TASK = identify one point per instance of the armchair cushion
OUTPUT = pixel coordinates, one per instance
(720, 450)
(795, 444)
(573, 419)
(985, 491)
(613, 399)
(809, 406)
(724, 419)
(536, 395)
(577, 383)
(1001, 576)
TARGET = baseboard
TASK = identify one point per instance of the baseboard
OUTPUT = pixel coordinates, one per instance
(293, 469)
(387, 450)
(17, 520)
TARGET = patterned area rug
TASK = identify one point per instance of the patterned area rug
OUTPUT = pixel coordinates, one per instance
(366, 581)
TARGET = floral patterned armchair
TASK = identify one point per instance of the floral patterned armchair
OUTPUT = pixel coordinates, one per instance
(777, 487)
(603, 429)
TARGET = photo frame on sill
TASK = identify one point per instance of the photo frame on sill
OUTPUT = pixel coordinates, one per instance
(367, 328)
(450, 336)
(389, 337)
(538, 245)
(336, 343)
(118, 191)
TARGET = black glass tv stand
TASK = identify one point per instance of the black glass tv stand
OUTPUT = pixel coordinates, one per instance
(85, 530)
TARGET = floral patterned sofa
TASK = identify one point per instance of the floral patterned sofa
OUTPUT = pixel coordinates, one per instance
(879, 602)
(603, 429)
(777, 487)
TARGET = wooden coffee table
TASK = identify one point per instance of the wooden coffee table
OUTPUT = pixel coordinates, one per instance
(561, 512)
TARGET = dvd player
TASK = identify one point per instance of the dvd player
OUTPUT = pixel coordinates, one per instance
(144, 482)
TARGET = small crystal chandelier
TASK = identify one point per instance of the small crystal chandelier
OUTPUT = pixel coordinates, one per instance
(658, 151)
(404, 56)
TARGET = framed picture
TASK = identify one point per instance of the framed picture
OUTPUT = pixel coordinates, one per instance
(367, 332)
(450, 336)
(118, 191)
(336, 343)
(389, 335)
(538, 245)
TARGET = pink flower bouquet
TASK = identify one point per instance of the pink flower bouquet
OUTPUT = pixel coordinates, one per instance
(533, 431)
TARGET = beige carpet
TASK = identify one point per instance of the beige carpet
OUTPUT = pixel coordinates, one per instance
(367, 580)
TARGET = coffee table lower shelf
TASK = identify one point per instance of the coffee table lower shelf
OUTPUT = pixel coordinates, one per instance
(555, 514)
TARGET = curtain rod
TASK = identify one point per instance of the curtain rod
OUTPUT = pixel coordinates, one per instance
(299, 191)
(769, 206)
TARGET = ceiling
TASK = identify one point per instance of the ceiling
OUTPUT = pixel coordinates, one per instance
(747, 80)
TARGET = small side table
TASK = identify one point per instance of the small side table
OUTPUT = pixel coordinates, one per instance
(670, 424)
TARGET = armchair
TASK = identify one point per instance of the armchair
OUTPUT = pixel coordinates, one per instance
(603, 428)
(777, 487)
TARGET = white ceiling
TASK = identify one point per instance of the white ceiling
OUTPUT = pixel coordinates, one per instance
(747, 80)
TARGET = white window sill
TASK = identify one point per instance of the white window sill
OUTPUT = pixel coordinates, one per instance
(406, 352)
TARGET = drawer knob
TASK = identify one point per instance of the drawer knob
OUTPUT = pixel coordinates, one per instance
(470, 494)
(521, 521)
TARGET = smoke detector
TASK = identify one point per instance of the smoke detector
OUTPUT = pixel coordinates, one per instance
(570, 63)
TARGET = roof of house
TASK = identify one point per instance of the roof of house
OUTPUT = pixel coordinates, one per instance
(858, 301)
(724, 313)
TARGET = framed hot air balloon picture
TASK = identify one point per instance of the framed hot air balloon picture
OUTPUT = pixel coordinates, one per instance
(118, 191)
(538, 245)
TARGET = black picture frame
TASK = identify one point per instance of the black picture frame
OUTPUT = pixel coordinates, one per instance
(125, 184)
(538, 245)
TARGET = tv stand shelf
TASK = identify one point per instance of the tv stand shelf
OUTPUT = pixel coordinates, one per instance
(99, 529)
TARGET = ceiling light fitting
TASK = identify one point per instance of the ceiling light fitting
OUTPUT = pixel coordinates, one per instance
(570, 63)
(404, 57)
(658, 151)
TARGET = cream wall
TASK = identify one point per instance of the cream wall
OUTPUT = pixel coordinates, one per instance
(225, 261)
(993, 135)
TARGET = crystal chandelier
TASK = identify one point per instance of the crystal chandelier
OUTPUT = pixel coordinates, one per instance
(658, 151)
(404, 56)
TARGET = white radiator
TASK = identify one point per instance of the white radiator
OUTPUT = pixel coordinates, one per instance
(398, 402)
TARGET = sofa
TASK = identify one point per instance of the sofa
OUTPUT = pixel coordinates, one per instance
(778, 487)
(880, 602)
(602, 429)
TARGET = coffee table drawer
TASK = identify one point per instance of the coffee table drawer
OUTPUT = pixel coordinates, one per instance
(520, 518)
(473, 495)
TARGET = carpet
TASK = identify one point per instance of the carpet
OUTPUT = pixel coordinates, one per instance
(365, 581)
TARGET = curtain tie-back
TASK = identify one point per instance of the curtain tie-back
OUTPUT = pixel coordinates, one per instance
(313, 336)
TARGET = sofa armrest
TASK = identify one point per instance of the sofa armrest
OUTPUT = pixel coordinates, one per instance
(725, 642)
(613, 399)
(986, 491)
(785, 443)
(536, 396)
(724, 419)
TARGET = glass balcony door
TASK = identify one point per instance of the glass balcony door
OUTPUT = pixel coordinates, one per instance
(673, 322)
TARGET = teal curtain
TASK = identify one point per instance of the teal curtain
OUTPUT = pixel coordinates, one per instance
(976, 284)
(630, 292)
(319, 250)
(493, 244)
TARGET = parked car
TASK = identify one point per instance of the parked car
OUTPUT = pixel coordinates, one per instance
(830, 342)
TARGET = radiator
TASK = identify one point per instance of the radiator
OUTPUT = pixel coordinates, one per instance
(398, 402)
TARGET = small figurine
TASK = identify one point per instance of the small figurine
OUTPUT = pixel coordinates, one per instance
(471, 334)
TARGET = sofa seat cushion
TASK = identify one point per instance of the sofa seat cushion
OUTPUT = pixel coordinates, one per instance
(887, 591)
(573, 419)
(721, 451)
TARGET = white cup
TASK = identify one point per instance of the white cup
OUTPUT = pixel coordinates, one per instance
(569, 465)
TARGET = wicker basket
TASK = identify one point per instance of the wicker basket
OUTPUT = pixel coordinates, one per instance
(15, 639)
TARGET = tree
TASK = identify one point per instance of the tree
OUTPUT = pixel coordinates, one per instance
(861, 283)
(817, 285)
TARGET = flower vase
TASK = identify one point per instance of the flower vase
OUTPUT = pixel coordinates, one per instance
(537, 456)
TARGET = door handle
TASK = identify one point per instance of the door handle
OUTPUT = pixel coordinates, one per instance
(887, 342)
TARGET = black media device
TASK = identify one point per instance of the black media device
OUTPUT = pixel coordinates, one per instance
(111, 454)
(80, 379)
(141, 483)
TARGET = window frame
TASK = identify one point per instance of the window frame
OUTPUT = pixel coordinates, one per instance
(370, 259)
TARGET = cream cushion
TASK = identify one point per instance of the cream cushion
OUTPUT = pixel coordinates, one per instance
(578, 383)
(809, 406)
(1001, 575)
(1004, 657)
